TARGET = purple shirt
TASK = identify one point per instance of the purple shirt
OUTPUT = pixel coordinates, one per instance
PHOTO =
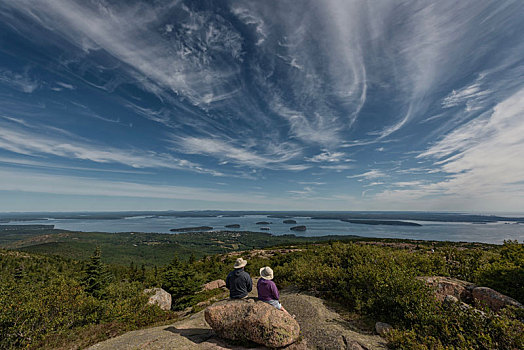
(267, 290)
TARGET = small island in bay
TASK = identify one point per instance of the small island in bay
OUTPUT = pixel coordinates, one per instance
(233, 226)
(263, 223)
(265, 228)
(382, 222)
(289, 221)
(196, 228)
(298, 228)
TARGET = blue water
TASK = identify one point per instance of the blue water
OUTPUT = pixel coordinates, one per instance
(443, 231)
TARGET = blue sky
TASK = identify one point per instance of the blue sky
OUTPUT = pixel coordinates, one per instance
(274, 105)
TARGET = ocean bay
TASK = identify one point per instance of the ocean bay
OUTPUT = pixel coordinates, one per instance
(491, 232)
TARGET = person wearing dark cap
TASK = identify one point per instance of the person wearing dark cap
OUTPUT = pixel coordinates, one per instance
(238, 281)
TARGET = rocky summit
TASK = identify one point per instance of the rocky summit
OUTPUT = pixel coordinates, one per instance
(247, 320)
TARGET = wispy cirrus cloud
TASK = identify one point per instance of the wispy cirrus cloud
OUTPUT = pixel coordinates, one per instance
(316, 183)
(328, 157)
(38, 163)
(18, 81)
(276, 159)
(368, 175)
(471, 96)
(26, 142)
(124, 31)
(87, 186)
(482, 163)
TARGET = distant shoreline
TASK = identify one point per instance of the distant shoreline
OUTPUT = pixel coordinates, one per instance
(334, 215)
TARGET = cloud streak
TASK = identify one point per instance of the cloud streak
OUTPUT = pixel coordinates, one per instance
(29, 143)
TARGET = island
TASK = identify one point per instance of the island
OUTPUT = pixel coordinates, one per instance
(233, 226)
(265, 228)
(289, 221)
(263, 223)
(298, 228)
(382, 222)
(196, 228)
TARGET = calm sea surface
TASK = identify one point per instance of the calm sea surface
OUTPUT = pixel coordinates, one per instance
(443, 231)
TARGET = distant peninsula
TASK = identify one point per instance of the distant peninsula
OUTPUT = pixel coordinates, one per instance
(289, 221)
(26, 227)
(382, 222)
(195, 228)
(263, 223)
(298, 228)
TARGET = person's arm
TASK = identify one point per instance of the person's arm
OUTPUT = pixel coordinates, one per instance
(249, 283)
(274, 291)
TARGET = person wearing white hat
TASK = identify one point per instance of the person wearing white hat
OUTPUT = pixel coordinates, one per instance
(238, 281)
(267, 289)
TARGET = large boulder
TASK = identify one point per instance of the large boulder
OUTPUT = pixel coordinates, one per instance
(444, 286)
(253, 321)
(493, 299)
(159, 297)
(214, 285)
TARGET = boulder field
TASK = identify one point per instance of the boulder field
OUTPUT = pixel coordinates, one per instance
(469, 293)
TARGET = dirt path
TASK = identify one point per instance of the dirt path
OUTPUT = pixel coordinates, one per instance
(321, 327)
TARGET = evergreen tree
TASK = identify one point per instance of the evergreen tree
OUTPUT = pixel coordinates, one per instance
(181, 281)
(142, 277)
(96, 275)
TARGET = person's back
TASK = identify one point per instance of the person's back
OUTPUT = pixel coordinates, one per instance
(238, 281)
(267, 290)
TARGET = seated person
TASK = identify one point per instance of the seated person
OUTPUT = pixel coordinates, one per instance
(238, 281)
(267, 289)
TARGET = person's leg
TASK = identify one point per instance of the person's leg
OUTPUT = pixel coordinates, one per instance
(279, 306)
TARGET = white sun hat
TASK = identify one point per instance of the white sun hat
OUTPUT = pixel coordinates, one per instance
(266, 273)
(240, 263)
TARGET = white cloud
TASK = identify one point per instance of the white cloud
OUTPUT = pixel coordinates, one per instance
(329, 157)
(376, 183)
(71, 185)
(482, 161)
(306, 192)
(407, 183)
(472, 96)
(31, 143)
(239, 155)
(337, 167)
(125, 32)
(48, 165)
(65, 85)
(17, 81)
(368, 175)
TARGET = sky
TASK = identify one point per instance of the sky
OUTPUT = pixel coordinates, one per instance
(261, 105)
